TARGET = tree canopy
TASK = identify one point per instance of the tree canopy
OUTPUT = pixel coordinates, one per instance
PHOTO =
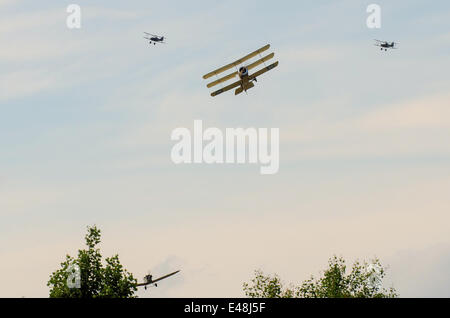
(364, 280)
(87, 277)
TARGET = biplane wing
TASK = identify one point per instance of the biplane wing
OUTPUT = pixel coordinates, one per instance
(154, 41)
(151, 34)
(386, 47)
(249, 67)
(263, 70)
(226, 88)
(236, 63)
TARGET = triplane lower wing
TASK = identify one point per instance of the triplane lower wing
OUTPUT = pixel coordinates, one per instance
(246, 80)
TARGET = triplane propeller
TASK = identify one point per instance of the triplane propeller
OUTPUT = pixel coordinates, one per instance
(148, 280)
(384, 45)
(154, 38)
(246, 79)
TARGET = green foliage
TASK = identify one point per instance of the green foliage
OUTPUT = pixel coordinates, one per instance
(97, 281)
(266, 287)
(363, 281)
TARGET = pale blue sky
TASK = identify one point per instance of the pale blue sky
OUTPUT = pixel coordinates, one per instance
(85, 124)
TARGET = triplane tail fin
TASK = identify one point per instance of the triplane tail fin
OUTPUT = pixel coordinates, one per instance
(247, 87)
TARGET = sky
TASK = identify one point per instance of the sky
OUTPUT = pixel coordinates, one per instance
(87, 115)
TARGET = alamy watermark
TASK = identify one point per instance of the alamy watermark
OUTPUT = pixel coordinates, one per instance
(73, 21)
(375, 273)
(236, 145)
(374, 19)
(74, 277)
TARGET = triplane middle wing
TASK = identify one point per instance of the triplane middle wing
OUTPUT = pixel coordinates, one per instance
(246, 80)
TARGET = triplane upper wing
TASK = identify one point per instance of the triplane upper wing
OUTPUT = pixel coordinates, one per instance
(245, 79)
(236, 63)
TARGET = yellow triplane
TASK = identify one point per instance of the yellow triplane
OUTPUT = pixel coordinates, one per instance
(246, 80)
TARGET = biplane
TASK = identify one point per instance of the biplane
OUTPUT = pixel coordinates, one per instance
(148, 280)
(246, 79)
(154, 38)
(384, 45)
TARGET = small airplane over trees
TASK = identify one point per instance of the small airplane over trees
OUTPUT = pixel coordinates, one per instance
(246, 79)
(385, 45)
(148, 280)
(154, 38)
